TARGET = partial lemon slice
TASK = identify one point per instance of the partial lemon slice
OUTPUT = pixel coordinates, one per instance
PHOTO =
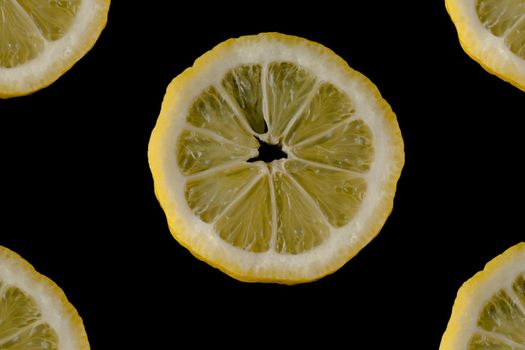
(329, 188)
(492, 32)
(489, 311)
(34, 312)
(41, 39)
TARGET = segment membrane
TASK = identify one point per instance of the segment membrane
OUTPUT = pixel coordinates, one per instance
(19, 328)
(20, 40)
(287, 89)
(299, 224)
(243, 84)
(197, 151)
(247, 224)
(209, 195)
(210, 111)
(349, 147)
(502, 315)
(328, 107)
(338, 193)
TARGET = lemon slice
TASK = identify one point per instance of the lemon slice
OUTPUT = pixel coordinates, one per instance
(492, 32)
(301, 215)
(41, 39)
(34, 312)
(489, 311)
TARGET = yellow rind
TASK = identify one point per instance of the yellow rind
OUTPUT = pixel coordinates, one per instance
(60, 67)
(466, 294)
(176, 223)
(473, 48)
(74, 318)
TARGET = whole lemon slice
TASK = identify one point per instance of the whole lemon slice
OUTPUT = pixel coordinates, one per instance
(492, 32)
(41, 39)
(301, 211)
(34, 312)
(489, 311)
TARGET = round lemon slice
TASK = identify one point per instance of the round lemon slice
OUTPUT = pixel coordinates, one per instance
(489, 311)
(34, 312)
(492, 32)
(41, 39)
(288, 216)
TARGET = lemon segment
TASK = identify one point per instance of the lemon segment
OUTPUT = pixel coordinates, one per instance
(208, 195)
(347, 147)
(247, 224)
(302, 214)
(288, 88)
(198, 151)
(300, 227)
(327, 108)
(339, 195)
(53, 18)
(243, 84)
(20, 40)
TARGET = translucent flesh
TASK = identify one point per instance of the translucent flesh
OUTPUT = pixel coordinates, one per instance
(503, 318)
(20, 324)
(300, 227)
(296, 210)
(208, 195)
(348, 147)
(247, 224)
(52, 17)
(506, 19)
(244, 85)
(212, 112)
(20, 40)
(198, 151)
(25, 25)
(339, 194)
(328, 107)
(288, 87)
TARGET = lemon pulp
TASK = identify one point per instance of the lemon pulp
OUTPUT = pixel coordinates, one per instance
(25, 26)
(21, 326)
(317, 188)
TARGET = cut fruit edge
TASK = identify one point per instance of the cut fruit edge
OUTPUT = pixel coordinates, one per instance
(478, 290)
(484, 47)
(269, 266)
(57, 56)
(59, 313)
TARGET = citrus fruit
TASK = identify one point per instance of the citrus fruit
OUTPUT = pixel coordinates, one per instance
(327, 192)
(492, 32)
(489, 311)
(41, 39)
(34, 312)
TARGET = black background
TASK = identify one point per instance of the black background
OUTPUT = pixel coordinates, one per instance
(78, 199)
